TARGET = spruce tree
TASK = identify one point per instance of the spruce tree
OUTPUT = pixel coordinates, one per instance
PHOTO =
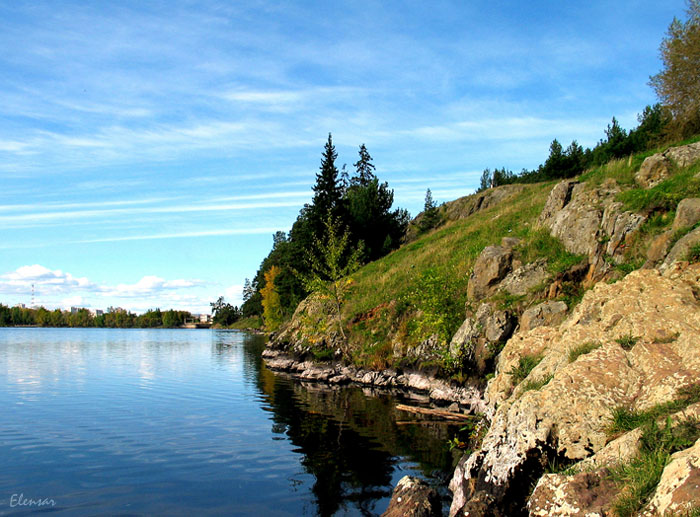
(327, 190)
(364, 169)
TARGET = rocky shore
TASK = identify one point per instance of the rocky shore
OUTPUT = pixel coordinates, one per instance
(416, 384)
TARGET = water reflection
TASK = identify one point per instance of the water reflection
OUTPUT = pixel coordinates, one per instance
(348, 437)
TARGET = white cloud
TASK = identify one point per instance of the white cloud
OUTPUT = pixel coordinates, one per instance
(44, 279)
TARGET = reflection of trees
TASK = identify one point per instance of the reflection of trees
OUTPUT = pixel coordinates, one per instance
(349, 441)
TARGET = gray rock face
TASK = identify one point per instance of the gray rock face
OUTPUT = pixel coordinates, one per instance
(653, 171)
(681, 249)
(545, 314)
(684, 155)
(591, 223)
(525, 278)
(487, 327)
(658, 167)
(490, 267)
(687, 213)
(413, 497)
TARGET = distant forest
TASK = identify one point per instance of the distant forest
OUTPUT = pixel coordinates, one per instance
(20, 316)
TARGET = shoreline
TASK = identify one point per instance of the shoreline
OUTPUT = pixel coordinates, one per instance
(468, 399)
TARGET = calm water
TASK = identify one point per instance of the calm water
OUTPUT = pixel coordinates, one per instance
(189, 422)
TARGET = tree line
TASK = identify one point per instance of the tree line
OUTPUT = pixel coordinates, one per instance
(676, 117)
(20, 316)
(359, 207)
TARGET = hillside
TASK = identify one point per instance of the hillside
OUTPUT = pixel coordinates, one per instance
(503, 298)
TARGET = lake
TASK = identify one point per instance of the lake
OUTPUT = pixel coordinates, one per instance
(190, 422)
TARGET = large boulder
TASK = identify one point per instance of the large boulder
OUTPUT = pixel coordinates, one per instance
(586, 493)
(658, 167)
(413, 497)
(687, 213)
(490, 267)
(653, 171)
(681, 249)
(566, 417)
(525, 279)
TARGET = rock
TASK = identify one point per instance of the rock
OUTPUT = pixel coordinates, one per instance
(413, 497)
(590, 223)
(586, 493)
(684, 155)
(510, 242)
(479, 332)
(566, 418)
(681, 249)
(658, 249)
(548, 313)
(653, 171)
(525, 278)
(658, 167)
(490, 267)
(687, 214)
(678, 490)
(558, 198)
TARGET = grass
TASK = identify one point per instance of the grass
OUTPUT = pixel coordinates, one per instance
(252, 322)
(666, 195)
(542, 245)
(628, 341)
(536, 385)
(582, 349)
(526, 364)
(638, 478)
(694, 254)
(624, 419)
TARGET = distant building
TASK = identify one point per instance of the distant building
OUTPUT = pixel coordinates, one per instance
(96, 312)
(74, 310)
(21, 306)
(202, 318)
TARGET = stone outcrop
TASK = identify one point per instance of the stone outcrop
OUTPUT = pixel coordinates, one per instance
(525, 279)
(656, 317)
(424, 387)
(586, 493)
(589, 222)
(658, 167)
(413, 497)
(687, 213)
(680, 249)
(490, 267)
(549, 313)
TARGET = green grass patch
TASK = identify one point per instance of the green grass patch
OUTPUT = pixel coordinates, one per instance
(526, 364)
(252, 322)
(582, 349)
(624, 419)
(538, 384)
(694, 254)
(666, 195)
(638, 478)
(541, 245)
(628, 341)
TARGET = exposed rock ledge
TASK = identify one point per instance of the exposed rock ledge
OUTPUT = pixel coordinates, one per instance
(439, 392)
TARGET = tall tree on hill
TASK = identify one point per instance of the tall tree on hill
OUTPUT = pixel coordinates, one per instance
(328, 190)
(364, 168)
(431, 215)
(678, 84)
(369, 203)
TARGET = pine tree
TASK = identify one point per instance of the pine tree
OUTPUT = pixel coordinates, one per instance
(247, 290)
(327, 190)
(364, 169)
(431, 215)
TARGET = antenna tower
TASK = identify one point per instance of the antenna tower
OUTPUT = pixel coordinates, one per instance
(32, 306)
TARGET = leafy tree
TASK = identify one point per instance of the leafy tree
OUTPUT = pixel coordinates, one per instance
(431, 214)
(330, 268)
(678, 84)
(224, 313)
(272, 309)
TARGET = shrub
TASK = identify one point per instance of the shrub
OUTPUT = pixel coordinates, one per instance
(694, 253)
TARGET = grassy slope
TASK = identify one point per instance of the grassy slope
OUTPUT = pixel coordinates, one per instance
(420, 290)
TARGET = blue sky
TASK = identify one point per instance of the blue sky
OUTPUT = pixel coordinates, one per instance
(148, 150)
